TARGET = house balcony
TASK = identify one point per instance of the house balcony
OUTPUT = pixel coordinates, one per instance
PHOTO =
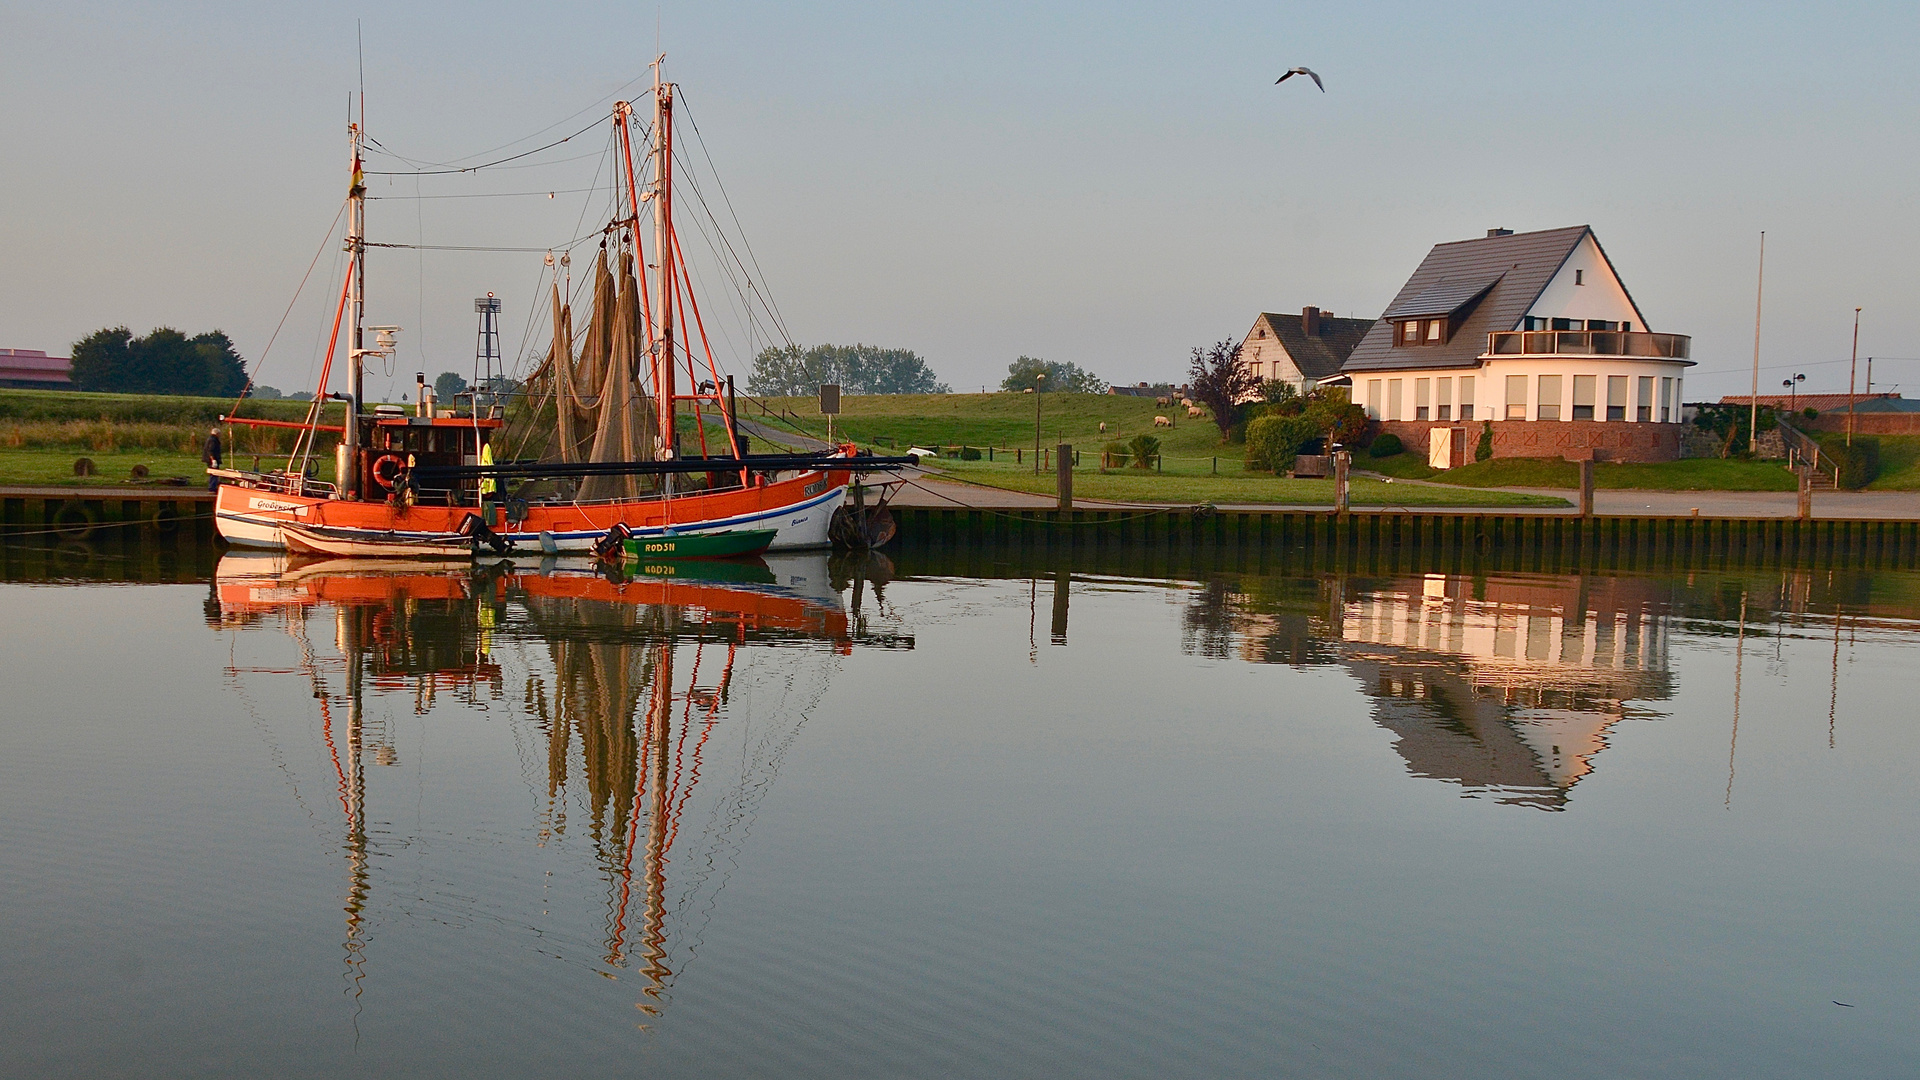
(1590, 343)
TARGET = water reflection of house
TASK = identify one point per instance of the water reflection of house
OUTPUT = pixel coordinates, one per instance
(1506, 686)
(1511, 687)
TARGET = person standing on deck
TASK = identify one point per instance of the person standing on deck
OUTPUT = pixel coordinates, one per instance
(487, 485)
(210, 454)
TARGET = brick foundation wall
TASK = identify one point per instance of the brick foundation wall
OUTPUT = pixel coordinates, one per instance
(1601, 440)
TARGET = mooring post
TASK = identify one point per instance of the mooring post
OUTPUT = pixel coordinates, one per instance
(1341, 461)
(1805, 510)
(1063, 470)
(1586, 488)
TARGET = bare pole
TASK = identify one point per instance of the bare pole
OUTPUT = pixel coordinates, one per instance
(1851, 369)
(1759, 294)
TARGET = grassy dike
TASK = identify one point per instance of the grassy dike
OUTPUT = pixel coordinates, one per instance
(42, 433)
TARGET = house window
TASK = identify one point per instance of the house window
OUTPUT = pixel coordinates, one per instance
(1568, 324)
(1435, 329)
(1516, 397)
(1373, 399)
(1666, 401)
(1579, 277)
(1616, 397)
(1584, 388)
(1443, 399)
(1549, 397)
(1643, 405)
(1393, 398)
(1422, 392)
(1410, 332)
(1466, 398)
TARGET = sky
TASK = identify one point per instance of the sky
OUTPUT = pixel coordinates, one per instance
(1109, 185)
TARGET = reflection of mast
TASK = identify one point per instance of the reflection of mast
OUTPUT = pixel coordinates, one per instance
(353, 792)
(653, 934)
(1739, 657)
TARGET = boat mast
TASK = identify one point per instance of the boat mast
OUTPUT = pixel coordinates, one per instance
(663, 250)
(357, 248)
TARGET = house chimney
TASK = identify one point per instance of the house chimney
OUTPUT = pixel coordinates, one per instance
(1310, 321)
(1499, 232)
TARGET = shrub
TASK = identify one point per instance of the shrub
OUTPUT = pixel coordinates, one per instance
(1810, 413)
(1277, 391)
(1385, 445)
(969, 453)
(1483, 450)
(1143, 448)
(1273, 441)
(1858, 463)
(1118, 455)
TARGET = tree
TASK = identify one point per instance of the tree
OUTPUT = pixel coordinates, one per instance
(163, 362)
(1217, 378)
(447, 385)
(1067, 378)
(1483, 450)
(858, 369)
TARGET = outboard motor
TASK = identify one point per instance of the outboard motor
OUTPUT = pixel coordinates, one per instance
(475, 530)
(613, 546)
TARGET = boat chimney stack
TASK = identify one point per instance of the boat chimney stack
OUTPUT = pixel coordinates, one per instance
(420, 399)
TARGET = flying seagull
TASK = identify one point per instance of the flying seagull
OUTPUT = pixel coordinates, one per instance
(1302, 71)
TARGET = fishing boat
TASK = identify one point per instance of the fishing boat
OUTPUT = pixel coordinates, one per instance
(596, 440)
(731, 545)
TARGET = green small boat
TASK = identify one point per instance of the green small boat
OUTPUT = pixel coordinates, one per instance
(727, 545)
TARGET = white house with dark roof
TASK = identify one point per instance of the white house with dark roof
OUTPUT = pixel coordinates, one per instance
(1533, 331)
(1300, 349)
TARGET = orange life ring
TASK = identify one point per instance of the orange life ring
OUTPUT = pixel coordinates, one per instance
(384, 476)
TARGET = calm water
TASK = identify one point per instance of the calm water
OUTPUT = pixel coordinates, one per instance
(891, 820)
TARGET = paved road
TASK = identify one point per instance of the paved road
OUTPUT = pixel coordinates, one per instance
(927, 491)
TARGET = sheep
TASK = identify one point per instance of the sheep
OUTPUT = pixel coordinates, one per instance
(1163, 402)
(1188, 402)
(1193, 412)
(1161, 421)
(1103, 427)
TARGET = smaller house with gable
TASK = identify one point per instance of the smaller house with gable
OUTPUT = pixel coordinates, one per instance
(1300, 349)
(1534, 332)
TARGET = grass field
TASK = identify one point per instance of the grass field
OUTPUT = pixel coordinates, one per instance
(1193, 483)
(55, 467)
(999, 420)
(1899, 460)
(1692, 474)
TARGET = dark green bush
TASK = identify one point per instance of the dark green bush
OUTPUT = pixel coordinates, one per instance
(1273, 441)
(1858, 463)
(1144, 449)
(969, 453)
(1483, 450)
(1810, 413)
(1118, 455)
(1385, 445)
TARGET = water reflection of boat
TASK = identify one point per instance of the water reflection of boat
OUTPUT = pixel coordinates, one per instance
(626, 681)
(1507, 686)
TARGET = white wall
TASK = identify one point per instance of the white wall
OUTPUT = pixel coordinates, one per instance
(1493, 387)
(1601, 297)
(1269, 358)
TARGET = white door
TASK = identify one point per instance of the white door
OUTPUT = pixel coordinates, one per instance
(1440, 447)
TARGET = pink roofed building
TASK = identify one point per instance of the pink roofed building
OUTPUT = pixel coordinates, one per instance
(32, 369)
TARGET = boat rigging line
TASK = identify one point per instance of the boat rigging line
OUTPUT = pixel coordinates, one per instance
(475, 168)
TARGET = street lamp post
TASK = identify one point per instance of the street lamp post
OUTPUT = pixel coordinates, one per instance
(1850, 374)
(1038, 386)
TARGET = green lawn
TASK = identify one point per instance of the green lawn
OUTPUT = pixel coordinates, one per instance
(55, 466)
(1692, 474)
(1899, 460)
(998, 420)
(1195, 484)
